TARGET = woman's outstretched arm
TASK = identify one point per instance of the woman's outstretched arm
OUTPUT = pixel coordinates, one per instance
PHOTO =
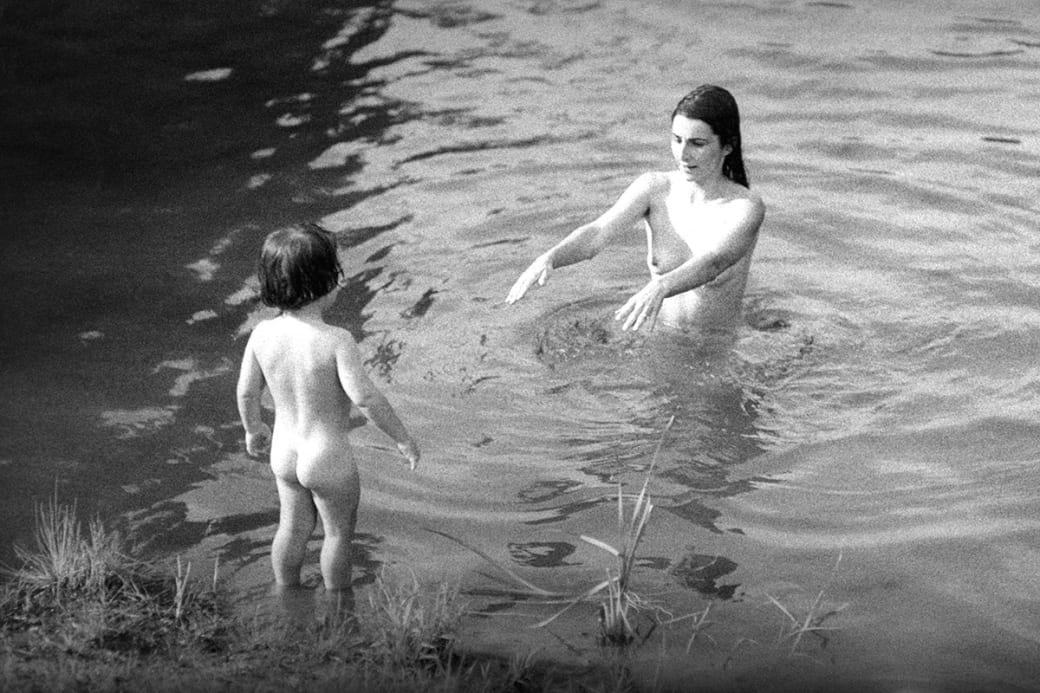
(586, 241)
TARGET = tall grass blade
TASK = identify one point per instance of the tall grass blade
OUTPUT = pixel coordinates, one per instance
(601, 544)
(574, 602)
(527, 584)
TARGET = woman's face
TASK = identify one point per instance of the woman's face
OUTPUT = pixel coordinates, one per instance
(697, 149)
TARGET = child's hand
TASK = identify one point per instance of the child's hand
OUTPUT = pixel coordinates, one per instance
(410, 451)
(258, 443)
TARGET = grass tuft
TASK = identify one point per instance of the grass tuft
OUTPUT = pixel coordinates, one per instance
(83, 614)
(82, 592)
(65, 561)
(796, 627)
(407, 626)
(620, 605)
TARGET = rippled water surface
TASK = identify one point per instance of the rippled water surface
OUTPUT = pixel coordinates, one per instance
(864, 458)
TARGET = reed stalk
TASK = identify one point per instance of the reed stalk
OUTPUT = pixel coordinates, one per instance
(620, 603)
(811, 622)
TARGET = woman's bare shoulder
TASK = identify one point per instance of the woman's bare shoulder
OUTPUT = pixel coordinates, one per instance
(653, 184)
(745, 197)
(747, 208)
(656, 179)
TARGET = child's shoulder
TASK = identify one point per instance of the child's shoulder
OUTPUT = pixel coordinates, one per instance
(337, 333)
(322, 333)
(293, 338)
(263, 328)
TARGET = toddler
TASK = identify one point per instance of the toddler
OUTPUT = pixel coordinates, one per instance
(315, 373)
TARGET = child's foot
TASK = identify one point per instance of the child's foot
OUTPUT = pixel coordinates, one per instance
(298, 604)
(339, 605)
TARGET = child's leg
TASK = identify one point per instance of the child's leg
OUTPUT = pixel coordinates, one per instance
(296, 520)
(337, 504)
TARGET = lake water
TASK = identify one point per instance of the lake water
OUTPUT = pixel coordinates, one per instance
(866, 456)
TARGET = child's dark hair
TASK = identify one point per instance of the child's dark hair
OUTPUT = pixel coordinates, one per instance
(297, 265)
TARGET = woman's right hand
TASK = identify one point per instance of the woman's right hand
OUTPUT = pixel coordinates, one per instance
(538, 272)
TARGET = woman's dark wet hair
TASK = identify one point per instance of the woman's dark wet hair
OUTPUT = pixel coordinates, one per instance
(717, 107)
(297, 265)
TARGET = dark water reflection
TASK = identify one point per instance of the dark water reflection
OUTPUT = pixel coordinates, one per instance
(118, 175)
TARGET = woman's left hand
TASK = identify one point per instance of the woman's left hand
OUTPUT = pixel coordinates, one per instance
(643, 307)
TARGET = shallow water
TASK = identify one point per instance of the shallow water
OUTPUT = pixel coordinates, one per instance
(872, 436)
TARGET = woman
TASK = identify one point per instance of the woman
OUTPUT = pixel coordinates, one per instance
(701, 223)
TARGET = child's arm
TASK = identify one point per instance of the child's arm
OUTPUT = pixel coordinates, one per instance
(372, 403)
(250, 388)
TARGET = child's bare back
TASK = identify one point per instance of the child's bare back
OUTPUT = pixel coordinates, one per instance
(308, 368)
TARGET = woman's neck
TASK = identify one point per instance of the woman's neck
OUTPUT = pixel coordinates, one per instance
(701, 191)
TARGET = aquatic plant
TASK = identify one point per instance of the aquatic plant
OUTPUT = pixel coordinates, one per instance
(618, 607)
(811, 621)
(616, 623)
(700, 624)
